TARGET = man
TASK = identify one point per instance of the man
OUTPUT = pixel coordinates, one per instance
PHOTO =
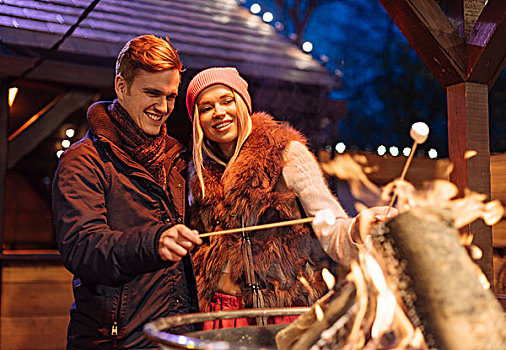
(118, 204)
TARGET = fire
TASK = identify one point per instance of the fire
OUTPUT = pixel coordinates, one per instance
(470, 154)
(389, 315)
(493, 212)
(318, 312)
(386, 303)
(354, 170)
(329, 278)
(475, 252)
(436, 193)
(304, 281)
(379, 318)
(356, 337)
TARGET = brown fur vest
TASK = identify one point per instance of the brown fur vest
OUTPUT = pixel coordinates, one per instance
(253, 192)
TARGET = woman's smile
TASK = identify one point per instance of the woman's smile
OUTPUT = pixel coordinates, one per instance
(218, 117)
(223, 126)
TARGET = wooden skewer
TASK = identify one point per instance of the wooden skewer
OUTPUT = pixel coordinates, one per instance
(258, 227)
(404, 171)
(419, 133)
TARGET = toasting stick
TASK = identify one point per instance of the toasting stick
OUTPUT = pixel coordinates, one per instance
(419, 133)
(322, 219)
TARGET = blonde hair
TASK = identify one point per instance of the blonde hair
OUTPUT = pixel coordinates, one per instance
(200, 143)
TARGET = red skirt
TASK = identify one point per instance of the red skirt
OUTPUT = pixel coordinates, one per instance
(222, 302)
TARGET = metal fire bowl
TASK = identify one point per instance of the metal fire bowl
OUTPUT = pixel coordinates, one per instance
(244, 338)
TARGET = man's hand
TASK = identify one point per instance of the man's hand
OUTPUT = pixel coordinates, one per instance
(176, 242)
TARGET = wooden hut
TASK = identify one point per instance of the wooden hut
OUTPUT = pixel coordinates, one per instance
(59, 75)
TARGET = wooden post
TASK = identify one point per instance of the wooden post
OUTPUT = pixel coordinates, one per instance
(468, 130)
(4, 144)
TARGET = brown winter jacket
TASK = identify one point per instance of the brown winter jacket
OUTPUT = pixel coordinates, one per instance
(253, 191)
(109, 213)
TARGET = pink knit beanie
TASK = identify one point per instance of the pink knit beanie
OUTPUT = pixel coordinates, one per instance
(228, 76)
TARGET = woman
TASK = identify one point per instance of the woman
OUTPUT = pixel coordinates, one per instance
(250, 169)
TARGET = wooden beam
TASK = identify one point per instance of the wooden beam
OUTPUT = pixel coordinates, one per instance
(471, 9)
(45, 123)
(433, 37)
(4, 145)
(468, 130)
(59, 72)
(486, 44)
(454, 11)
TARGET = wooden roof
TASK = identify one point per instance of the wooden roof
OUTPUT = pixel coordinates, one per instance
(283, 80)
(205, 32)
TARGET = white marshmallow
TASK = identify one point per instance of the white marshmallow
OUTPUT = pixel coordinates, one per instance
(419, 132)
(323, 221)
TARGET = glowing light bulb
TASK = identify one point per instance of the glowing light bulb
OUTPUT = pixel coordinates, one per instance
(267, 17)
(432, 153)
(406, 151)
(340, 147)
(65, 143)
(13, 91)
(307, 46)
(394, 151)
(70, 133)
(255, 8)
(58, 153)
(382, 150)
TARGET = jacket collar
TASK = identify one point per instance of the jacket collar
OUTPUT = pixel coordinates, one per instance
(104, 131)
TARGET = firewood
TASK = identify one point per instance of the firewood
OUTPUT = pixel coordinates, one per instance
(306, 329)
(439, 282)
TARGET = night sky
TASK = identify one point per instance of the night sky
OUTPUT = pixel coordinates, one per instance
(386, 86)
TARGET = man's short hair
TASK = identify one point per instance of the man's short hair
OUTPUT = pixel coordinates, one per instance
(147, 52)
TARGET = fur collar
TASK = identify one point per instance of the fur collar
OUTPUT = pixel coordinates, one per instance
(252, 191)
(247, 188)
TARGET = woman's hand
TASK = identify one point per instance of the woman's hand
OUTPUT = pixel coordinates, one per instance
(365, 221)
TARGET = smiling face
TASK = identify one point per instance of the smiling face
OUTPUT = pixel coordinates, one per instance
(150, 98)
(218, 117)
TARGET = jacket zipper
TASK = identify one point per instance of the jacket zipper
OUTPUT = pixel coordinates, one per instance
(114, 327)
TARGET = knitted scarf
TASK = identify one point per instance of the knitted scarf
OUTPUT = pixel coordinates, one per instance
(149, 151)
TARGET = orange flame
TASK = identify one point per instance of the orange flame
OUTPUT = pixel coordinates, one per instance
(318, 312)
(470, 154)
(356, 338)
(386, 303)
(354, 169)
(329, 278)
(390, 316)
(304, 281)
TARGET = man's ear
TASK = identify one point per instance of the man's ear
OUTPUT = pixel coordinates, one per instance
(120, 86)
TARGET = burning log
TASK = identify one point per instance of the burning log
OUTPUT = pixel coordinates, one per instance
(414, 287)
(307, 328)
(443, 286)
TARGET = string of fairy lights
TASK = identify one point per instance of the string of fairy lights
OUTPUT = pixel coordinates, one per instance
(65, 143)
(307, 46)
(393, 151)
